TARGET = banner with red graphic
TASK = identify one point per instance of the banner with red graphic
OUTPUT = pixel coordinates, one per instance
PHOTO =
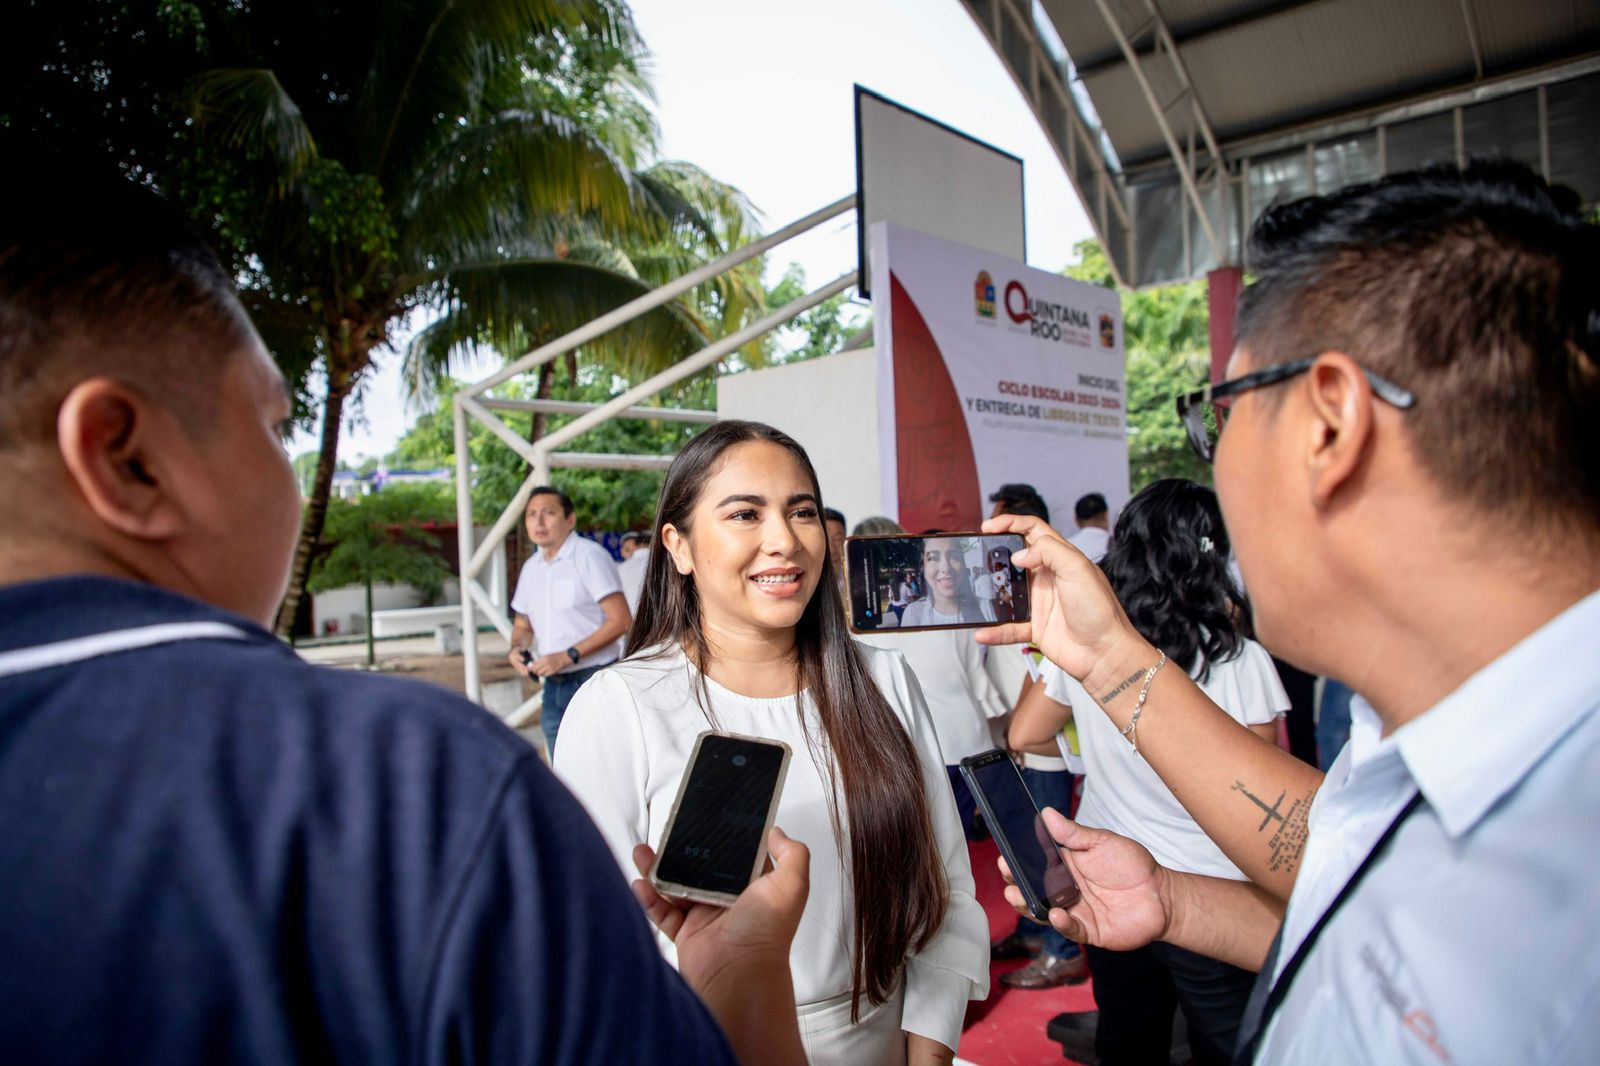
(991, 372)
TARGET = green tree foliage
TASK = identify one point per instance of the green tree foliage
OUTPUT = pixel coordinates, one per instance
(822, 330)
(605, 499)
(359, 162)
(380, 539)
(1168, 353)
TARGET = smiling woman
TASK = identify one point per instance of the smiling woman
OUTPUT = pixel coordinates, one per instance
(740, 627)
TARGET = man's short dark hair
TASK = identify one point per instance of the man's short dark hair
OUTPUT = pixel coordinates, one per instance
(830, 515)
(631, 537)
(551, 490)
(1474, 288)
(100, 276)
(1017, 498)
(1091, 506)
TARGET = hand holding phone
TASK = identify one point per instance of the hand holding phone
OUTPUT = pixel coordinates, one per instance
(715, 841)
(1018, 827)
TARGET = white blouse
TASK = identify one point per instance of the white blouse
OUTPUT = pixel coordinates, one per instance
(625, 741)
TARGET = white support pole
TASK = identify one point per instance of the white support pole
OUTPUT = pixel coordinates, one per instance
(498, 428)
(504, 524)
(464, 552)
(1164, 34)
(666, 293)
(477, 592)
(1161, 122)
(706, 357)
(573, 407)
(608, 461)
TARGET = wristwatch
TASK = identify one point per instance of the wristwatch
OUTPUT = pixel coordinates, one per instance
(572, 653)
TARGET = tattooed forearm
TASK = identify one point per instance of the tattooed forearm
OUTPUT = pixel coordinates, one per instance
(1131, 680)
(1290, 827)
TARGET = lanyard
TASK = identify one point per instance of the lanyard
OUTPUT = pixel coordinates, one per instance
(1268, 995)
(44, 656)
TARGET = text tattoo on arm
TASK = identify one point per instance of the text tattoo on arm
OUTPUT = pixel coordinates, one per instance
(1131, 680)
(1289, 827)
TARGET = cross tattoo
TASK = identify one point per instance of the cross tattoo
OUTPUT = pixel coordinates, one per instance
(1272, 811)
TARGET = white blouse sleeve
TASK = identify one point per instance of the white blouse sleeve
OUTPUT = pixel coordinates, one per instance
(602, 759)
(954, 966)
(1249, 687)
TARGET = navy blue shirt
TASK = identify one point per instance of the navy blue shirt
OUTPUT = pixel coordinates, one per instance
(211, 850)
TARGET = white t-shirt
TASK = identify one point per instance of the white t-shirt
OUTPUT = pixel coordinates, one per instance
(1122, 793)
(1091, 541)
(625, 742)
(561, 598)
(962, 699)
(631, 573)
(922, 613)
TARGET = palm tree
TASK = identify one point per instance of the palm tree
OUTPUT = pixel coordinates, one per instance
(369, 168)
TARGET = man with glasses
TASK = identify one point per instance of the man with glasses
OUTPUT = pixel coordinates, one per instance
(1407, 451)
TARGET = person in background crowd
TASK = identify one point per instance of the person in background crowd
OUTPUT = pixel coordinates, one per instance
(1093, 537)
(1053, 959)
(1333, 721)
(1169, 569)
(635, 557)
(1383, 487)
(213, 850)
(569, 600)
(837, 527)
(962, 700)
(741, 629)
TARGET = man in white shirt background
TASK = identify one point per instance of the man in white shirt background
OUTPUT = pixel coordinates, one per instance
(570, 610)
(1094, 526)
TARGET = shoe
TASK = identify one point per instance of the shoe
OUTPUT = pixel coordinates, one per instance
(1018, 945)
(1048, 971)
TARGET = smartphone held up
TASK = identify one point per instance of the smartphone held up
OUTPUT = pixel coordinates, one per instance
(938, 581)
(715, 841)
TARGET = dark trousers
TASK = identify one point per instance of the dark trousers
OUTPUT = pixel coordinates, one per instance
(558, 692)
(1136, 992)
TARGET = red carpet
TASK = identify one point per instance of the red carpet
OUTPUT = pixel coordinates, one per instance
(1007, 1029)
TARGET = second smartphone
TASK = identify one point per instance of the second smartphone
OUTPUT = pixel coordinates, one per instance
(715, 842)
(1018, 828)
(942, 581)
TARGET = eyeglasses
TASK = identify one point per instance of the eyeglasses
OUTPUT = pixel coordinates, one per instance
(1205, 411)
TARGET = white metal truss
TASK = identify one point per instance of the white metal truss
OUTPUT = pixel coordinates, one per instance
(475, 401)
(1183, 162)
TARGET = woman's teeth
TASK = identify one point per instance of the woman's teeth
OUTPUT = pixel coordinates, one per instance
(776, 579)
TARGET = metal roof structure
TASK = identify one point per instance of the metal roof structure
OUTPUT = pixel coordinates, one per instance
(1179, 121)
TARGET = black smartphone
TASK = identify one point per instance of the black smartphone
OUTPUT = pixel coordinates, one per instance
(939, 581)
(715, 842)
(1019, 829)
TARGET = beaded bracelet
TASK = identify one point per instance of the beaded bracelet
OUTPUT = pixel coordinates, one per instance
(1132, 731)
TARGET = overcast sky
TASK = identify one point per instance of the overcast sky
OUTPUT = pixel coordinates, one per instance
(759, 94)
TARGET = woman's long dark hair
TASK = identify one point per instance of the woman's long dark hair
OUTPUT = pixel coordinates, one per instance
(1168, 564)
(900, 890)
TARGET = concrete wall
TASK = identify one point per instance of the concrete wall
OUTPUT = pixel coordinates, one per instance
(347, 606)
(829, 405)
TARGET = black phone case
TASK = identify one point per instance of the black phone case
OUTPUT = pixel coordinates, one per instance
(1036, 906)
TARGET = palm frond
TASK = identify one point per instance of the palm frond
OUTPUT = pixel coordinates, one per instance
(249, 110)
(503, 305)
(513, 167)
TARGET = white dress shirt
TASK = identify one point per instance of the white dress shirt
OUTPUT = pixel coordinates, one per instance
(1120, 791)
(1091, 541)
(631, 573)
(1476, 936)
(625, 742)
(561, 598)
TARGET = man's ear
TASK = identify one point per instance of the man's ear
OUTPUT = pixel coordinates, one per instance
(115, 445)
(677, 546)
(1340, 405)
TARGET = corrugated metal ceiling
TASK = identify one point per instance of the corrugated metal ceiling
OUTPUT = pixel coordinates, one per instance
(1263, 65)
